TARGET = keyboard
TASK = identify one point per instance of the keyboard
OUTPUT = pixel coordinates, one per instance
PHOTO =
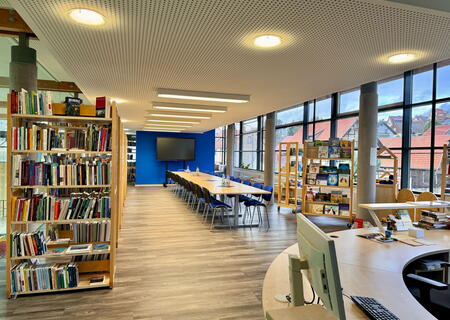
(373, 309)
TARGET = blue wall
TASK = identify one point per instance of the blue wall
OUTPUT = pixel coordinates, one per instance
(151, 171)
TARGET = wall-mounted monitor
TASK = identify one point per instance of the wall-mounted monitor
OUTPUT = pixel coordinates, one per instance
(175, 149)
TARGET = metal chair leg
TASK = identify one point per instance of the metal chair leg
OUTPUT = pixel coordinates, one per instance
(212, 220)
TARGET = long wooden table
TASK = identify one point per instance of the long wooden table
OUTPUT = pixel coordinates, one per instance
(366, 268)
(214, 185)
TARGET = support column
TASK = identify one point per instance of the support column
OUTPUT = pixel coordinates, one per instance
(230, 150)
(22, 68)
(367, 147)
(269, 148)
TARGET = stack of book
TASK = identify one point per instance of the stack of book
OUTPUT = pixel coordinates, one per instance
(27, 243)
(66, 172)
(25, 102)
(433, 220)
(43, 207)
(26, 277)
(39, 137)
(91, 232)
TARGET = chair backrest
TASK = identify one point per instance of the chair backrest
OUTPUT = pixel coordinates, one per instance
(232, 178)
(247, 182)
(427, 196)
(238, 180)
(258, 185)
(199, 191)
(268, 197)
(207, 195)
(217, 174)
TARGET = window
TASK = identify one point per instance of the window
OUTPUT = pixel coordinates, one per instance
(291, 115)
(442, 125)
(249, 144)
(311, 111)
(349, 101)
(289, 134)
(443, 80)
(347, 129)
(421, 126)
(389, 129)
(322, 130)
(422, 87)
(323, 109)
(420, 164)
(220, 146)
(390, 91)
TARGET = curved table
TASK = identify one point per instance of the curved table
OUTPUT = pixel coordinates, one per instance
(366, 268)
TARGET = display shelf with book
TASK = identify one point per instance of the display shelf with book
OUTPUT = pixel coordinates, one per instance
(445, 173)
(387, 185)
(63, 189)
(289, 178)
(328, 169)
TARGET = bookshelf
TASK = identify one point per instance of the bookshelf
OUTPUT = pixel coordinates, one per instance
(102, 269)
(288, 175)
(387, 185)
(328, 170)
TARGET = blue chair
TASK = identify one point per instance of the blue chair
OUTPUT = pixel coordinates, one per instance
(257, 204)
(242, 197)
(214, 204)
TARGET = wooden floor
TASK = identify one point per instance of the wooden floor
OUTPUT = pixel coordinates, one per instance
(171, 266)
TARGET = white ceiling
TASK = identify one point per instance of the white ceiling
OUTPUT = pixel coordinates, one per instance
(202, 45)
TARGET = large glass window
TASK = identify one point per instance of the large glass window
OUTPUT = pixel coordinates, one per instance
(422, 88)
(421, 126)
(443, 80)
(291, 115)
(349, 101)
(442, 126)
(389, 128)
(249, 144)
(347, 129)
(220, 146)
(390, 91)
(289, 134)
(323, 109)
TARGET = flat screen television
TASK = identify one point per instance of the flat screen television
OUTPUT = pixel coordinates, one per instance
(175, 149)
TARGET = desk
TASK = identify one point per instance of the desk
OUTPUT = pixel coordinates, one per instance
(214, 185)
(366, 268)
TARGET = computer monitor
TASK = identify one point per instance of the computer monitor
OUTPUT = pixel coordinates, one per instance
(318, 260)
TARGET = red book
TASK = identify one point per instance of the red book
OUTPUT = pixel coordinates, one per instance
(57, 209)
(103, 134)
(100, 102)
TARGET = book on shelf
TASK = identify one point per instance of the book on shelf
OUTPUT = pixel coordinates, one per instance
(79, 248)
(344, 209)
(336, 196)
(29, 277)
(345, 143)
(59, 171)
(344, 180)
(31, 102)
(56, 251)
(323, 152)
(27, 243)
(41, 207)
(331, 209)
(322, 196)
(37, 137)
(332, 179)
(314, 168)
(346, 153)
(334, 151)
(433, 220)
(311, 178)
(96, 231)
(317, 208)
(322, 179)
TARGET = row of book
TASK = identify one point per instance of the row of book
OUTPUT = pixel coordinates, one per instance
(28, 277)
(43, 207)
(335, 196)
(341, 209)
(39, 137)
(91, 232)
(28, 172)
(433, 220)
(328, 175)
(27, 244)
(333, 148)
(31, 102)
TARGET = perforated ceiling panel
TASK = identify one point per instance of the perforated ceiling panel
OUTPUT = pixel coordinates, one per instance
(330, 45)
(4, 4)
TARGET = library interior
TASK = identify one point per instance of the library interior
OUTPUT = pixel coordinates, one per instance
(224, 160)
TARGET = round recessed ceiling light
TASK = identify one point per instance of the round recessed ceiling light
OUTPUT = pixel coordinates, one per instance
(267, 41)
(402, 58)
(87, 16)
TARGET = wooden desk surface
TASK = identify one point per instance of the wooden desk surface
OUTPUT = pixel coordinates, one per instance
(366, 268)
(214, 184)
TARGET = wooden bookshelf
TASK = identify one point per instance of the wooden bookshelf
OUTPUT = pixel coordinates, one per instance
(86, 268)
(288, 175)
(47, 256)
(311, 155)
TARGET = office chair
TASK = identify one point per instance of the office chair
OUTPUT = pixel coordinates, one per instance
(256, 204)
(214, 204)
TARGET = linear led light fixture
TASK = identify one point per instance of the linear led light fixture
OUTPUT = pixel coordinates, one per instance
(157, 130)
(202, 95)
(164, 128)
(171, 121)
(187, 107)
(169, 125)
(167, 114)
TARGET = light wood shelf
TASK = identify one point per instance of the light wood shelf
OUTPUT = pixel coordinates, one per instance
(62, 152)
(91, 186)
(116, 190)
(67, 221)
(310, 155)
(289, 154)
(59, 118)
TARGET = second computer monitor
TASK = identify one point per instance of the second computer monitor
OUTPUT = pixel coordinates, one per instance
(322, 272)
